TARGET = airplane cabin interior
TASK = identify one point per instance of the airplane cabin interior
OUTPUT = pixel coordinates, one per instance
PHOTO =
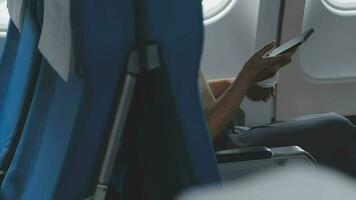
(177, 99)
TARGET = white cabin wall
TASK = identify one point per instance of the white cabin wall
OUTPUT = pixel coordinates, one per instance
(298, 96)
(229, 41)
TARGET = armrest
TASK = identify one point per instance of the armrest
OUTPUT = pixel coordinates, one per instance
(243, 154)
(239, 162)
(292, 151)
(261, 153)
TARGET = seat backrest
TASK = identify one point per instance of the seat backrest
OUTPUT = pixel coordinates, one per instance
(19, 70)
(68, 122)
(168, 148)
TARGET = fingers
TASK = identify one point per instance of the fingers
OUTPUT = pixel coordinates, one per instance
(268, 47)
(269, 73)
(266, 99)
(286, 59)
(282, 64)
(293, 50)
(277, 59)
(283, 58)
(273, 92)
(257, 93)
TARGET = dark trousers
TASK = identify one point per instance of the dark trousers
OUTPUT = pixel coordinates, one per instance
(330, 138)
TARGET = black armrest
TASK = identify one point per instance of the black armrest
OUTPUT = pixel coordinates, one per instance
(243, 154)
(285, 152)
(239, 162)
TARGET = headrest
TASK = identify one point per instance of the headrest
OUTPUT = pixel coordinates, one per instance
(56, 37)
(16, 11)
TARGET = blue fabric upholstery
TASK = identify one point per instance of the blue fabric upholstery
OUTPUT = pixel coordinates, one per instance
(68, 123)
(167, 145)
(180, 36)
(8, 58)
(18, 73)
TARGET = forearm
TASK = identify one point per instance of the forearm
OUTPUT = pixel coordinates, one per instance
(220, 114)
(219, 86)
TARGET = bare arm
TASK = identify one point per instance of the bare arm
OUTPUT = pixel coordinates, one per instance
(255, 93)
(220, 114)
(219, 86)
(257, 68)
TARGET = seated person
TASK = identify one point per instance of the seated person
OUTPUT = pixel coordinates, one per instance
(330, 138)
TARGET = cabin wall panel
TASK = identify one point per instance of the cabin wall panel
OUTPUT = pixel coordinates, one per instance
(298, 96)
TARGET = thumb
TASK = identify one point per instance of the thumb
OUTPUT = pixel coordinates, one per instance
(266, 49)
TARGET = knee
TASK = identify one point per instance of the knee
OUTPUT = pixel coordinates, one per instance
(336, 122)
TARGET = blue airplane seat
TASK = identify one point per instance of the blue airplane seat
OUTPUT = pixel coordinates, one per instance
(19, 70)
(60, 149)
(167, 147)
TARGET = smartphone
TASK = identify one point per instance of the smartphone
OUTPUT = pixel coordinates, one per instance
(295, 42)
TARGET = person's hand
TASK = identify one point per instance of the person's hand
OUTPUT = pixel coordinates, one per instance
(257, 93)
(259, 67)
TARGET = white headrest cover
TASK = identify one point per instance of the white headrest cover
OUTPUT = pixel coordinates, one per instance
(56, 37)
(16, 11)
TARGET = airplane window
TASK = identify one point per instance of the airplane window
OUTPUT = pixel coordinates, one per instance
(212, 8)
(4, 15)
(341, 7)
(337, 62)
